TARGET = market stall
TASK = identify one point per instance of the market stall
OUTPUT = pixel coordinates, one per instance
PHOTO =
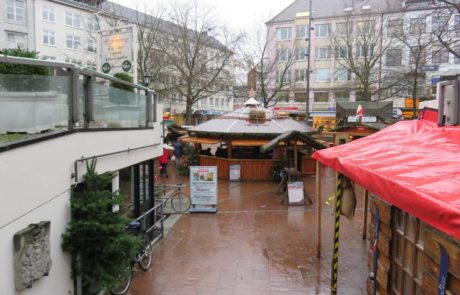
(411, 173)
(240, 134)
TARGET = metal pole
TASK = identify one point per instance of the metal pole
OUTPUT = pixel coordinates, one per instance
(318, 209)
(308, 64)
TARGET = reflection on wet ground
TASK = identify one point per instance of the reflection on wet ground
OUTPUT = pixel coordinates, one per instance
(255, 245)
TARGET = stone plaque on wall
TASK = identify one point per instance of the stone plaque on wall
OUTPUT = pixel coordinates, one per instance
(31, 254)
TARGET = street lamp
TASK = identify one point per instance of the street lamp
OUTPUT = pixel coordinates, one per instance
(310, 28)
(147, 77)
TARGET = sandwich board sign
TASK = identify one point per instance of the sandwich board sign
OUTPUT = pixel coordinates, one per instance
(235, 172)
(295, 193)
(203, 188)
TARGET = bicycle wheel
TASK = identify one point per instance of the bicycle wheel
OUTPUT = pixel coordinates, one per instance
(181, 202)
(145, 255)
(124, 282)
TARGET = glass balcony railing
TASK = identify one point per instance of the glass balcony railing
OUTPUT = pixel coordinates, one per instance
(68, 98)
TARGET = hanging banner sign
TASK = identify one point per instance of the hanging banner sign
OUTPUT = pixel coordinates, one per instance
(295, 193)
(203, 188)
(365, 119)
(117, 50)
(235, 172)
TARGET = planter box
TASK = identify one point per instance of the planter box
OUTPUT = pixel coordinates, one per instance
(27, 112)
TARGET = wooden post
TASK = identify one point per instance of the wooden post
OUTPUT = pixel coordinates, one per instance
(229, 149)
(318, 209)
(366, 204)
(295, 156)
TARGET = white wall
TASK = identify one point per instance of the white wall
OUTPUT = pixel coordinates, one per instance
(34, 186)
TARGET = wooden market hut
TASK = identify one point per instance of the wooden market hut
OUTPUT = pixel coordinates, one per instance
(250, 126)
(411, 173)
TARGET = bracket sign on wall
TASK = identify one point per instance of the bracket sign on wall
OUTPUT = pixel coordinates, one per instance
(31, 254)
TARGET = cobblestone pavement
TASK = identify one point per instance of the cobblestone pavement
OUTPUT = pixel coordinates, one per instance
(255, 245)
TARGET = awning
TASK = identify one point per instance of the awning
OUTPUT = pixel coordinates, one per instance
(249, 142)
(300, 138)
(202, 140)
(414, 165)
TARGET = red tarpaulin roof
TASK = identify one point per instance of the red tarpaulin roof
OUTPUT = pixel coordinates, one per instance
(413, 165)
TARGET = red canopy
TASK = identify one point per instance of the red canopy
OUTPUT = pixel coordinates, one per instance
(413, 165)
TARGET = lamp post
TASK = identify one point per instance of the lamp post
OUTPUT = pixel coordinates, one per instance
(147, 77)
(308, 39)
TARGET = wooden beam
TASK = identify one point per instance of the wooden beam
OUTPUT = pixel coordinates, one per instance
(366, 204)
(318, 209)
(229, 149)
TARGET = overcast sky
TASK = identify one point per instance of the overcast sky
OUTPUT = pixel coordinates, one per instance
(237, 14)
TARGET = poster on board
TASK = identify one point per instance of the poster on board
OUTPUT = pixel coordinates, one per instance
(295, 193)
(203, 188)
(235, 172)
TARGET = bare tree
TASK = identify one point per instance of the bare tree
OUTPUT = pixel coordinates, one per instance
(358, 49)
(447, 29)
(272, 73)
(198, 53)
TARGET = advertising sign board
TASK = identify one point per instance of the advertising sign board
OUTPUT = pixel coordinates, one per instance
(203, 188)
(295, 193)
(118, 51)
(235, 172)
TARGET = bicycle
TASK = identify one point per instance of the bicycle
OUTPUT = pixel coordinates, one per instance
(180, 201)
(143, 258)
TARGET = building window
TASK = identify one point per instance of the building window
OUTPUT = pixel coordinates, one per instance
(283, 34)
(300, 75)
(343, 51)
(323, 53)
(301, 31)
(46, 57)
(48, 14)
(394, 57)
(300, 97)
(92, 24)
(16, 40)
(343, 75)
(282, 54)
(344, 29)
(417, 25)
(282, 97)
(439, 23)
(49, 37)
(365, 27)
(394, 27)
(73, 42)
(439, 54)
(283, 76)
(301, 53)
(457, 25)
(91, 45)
(342, 96)
(417, 55)
(322, 75)
(364, 51)
(321, 96)
(323, 30)
(72, 19)
(15, 10)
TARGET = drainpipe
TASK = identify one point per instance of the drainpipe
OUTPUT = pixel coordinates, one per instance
(380, 59)
(307, 104)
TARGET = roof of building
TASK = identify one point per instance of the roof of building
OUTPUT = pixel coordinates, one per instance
(413, 165)
(335, 8)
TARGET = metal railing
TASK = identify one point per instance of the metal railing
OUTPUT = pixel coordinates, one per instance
(153, 220)
(67, 97)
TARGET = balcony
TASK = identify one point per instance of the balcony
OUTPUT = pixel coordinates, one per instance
(69, 99)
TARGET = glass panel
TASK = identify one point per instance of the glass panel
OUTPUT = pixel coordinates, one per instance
(118, 108)
(409, 257)
(32, 104)
(398, 219)
(418, 290)
(398, 278)
(81, 103)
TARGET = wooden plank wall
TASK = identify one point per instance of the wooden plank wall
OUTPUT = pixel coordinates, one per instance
(251, 170)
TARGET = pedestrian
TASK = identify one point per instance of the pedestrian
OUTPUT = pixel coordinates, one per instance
(164, 163)
(178, 151)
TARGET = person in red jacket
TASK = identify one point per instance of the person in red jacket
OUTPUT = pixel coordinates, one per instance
(164, 163)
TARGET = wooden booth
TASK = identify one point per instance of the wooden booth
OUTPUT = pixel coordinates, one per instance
(238, 136)
(411, 176)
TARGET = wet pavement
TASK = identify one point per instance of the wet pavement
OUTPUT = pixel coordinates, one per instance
(255, 245)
